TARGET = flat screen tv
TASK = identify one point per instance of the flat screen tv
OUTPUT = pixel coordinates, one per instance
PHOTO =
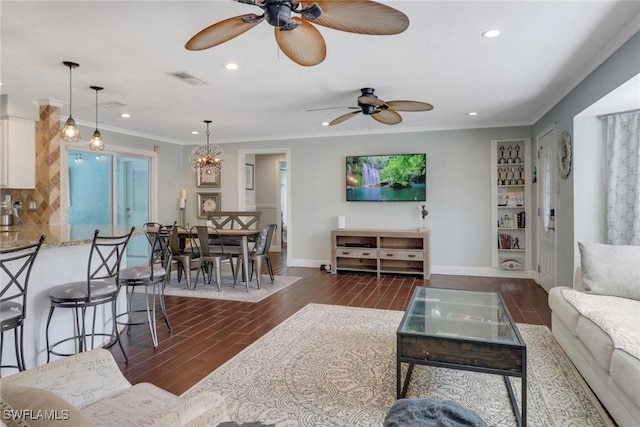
(387, 178)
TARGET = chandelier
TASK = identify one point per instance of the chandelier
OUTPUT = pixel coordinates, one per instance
(206, 158)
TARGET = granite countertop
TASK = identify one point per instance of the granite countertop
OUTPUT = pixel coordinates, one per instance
(14, 236)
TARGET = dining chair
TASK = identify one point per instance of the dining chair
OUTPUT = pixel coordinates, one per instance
(260, 254)
(153, 279)
(186, 258)
(149, 228)
(16, 265)
(100, 288)
(211, 259)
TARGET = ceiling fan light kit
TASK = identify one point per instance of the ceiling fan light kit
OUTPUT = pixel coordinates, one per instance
(297, 37)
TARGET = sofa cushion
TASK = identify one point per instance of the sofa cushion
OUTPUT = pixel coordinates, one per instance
(611, 269)
(101, 377)
(618, 317)
(132, 406)
(561, 308)
(38, 407)
(625, 372)
(599, 344)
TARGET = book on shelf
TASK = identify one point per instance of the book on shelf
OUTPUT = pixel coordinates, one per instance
(504, 241)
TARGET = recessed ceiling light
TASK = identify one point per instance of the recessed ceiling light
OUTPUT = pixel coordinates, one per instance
(473, 113)
(194, 132)
(125, 115)
(325, 123)
(491, 33)
(231, 66)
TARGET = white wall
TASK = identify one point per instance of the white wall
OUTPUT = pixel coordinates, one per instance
(578, 189)
(458, 193)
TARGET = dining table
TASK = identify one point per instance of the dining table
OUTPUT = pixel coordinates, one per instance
(240, 234)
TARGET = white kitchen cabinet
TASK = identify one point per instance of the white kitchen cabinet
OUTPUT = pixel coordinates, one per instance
(18, 142)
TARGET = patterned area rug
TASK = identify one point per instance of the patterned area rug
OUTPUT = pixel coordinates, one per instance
(227, 290)
(336, 366)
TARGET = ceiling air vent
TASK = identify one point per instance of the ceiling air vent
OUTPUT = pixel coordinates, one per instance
(114, 104)
(187, 78)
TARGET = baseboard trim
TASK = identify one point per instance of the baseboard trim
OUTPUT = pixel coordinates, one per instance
(438, 269)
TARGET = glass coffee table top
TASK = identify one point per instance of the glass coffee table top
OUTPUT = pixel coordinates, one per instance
(459, 329)
(468, 315)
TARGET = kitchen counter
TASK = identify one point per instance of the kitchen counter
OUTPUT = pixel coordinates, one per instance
(63, 259)
(13, 236)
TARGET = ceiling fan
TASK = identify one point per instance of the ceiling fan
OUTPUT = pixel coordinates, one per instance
(383, 112)
(296, 36)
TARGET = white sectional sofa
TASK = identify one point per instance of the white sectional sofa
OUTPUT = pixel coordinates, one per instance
(88, 389)
(597, 323)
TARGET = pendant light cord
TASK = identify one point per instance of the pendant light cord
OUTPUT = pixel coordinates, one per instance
(97, 109)
(70, 93)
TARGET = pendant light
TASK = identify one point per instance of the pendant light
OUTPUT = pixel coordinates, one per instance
(206, 158)
(70, 132)
(96, 143)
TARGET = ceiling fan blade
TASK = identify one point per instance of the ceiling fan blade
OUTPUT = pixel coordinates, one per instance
(370, 100)
(360, 16)
(343, 118)
(304, 44)
(333, 108)
(388, 117)
(409, 106)
(222, 31)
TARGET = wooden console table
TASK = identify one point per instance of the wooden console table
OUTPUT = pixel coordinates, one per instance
(381, 251)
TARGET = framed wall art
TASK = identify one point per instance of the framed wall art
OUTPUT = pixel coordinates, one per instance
(207, 178)
(248, 170)
(208, 203)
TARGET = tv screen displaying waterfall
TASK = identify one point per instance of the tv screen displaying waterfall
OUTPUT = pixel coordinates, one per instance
(387, 178)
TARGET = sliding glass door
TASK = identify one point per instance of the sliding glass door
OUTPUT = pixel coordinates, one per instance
(90, 188)
(110, 189)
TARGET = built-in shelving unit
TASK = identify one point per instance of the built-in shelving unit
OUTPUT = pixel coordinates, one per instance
(381, 252)
(511, 179)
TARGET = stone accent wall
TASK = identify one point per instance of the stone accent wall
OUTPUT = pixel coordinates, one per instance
(47, 192)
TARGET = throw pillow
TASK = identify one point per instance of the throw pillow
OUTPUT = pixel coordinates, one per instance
(611, 269)
(23, 405)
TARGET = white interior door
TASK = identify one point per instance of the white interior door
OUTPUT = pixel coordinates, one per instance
(546, 166)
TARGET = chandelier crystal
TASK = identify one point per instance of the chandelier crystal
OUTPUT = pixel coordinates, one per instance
(206, 158)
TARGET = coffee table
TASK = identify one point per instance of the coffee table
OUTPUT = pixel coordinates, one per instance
(459, 329)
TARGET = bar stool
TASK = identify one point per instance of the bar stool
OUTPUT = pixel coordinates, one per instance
(15, 267)
(100, 288)
(152, 277)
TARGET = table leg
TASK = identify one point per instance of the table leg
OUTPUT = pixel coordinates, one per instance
(245, 258)
(520, 413)
(402, 392)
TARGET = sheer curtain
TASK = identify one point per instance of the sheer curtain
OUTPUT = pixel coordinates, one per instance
(623, 178)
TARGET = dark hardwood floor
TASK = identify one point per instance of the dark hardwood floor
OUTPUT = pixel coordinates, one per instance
(207, 333)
